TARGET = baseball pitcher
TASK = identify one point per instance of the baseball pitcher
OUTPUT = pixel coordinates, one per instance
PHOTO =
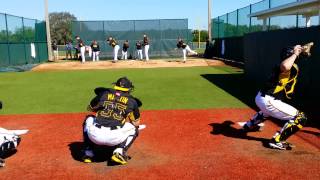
(113, 43)
(185, 49)
(146, 46)
(116, 123)
(272, 99)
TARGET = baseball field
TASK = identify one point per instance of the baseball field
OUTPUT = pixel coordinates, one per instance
(191, 113)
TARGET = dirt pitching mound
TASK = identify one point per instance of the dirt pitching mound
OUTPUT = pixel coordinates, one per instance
(62, 65)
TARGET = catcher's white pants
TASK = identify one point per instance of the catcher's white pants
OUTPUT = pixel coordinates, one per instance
(275, 108)
(124, 55)
(95, 55)
(83, 51)
(140, 56)
(186, 51)
(115, 52)
(107, 137)
(146, 52)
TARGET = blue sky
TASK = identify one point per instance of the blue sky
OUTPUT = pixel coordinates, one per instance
(194, 10)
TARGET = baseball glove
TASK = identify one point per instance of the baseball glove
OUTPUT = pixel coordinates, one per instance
(306, 49)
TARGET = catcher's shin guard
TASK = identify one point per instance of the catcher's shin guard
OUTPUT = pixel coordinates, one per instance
(291, 127)
(129, 141)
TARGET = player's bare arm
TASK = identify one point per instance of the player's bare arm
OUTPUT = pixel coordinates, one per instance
(288, 63)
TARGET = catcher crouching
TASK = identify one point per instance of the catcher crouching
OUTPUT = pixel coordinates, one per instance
(273, 99)
(116, 121)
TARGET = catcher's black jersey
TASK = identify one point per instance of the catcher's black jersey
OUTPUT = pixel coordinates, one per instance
(281, 84)
(113, 108)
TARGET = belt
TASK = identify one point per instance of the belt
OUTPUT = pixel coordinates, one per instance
(111, 128)
(264, 95)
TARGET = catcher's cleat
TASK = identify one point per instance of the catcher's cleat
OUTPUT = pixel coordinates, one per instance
(119, 158)
(288, 144)
(306, 49)
(279, 145)
(2, 162)
(87, 159)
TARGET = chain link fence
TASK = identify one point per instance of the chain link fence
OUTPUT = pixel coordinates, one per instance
(22, 41)
(238, 22)
(162, 33)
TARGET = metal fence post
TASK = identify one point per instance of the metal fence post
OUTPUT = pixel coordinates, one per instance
(8, 45)
(238, 33)
(250, 21)
(269, 19)
(160, 38)
(24, 41)
(218, 27)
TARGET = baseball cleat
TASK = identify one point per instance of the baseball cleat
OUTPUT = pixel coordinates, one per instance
(279, 145)
(2, 162)
(118, 158)
(86, 159)
(142, 126)
(255, 128)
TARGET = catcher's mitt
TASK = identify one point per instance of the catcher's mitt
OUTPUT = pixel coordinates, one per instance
(306, 49)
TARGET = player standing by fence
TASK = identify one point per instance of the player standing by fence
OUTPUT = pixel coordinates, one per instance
(125, 50)
(146, 46)
(113, 43)
(95, 50)
(139, 50)
(68, 49)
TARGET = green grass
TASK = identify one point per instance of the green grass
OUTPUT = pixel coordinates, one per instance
(71, 91)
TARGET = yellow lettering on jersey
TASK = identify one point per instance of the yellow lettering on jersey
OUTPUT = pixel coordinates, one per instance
(110, 97)
(107, 104)
(124, 100)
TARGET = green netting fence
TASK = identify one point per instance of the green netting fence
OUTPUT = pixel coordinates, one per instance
(163, 34)
(238, 22)
(22, 42)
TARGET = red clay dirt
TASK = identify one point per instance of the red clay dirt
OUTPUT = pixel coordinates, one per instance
(177, 144)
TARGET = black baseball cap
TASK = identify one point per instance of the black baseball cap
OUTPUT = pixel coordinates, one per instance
(123, 84)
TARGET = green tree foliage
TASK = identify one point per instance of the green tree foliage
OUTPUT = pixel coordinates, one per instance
(203, 35)
(60, 26)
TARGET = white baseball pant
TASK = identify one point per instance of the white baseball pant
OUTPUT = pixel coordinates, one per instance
(275, 108)
(115, 52)
(107, 137)
(146, 52)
